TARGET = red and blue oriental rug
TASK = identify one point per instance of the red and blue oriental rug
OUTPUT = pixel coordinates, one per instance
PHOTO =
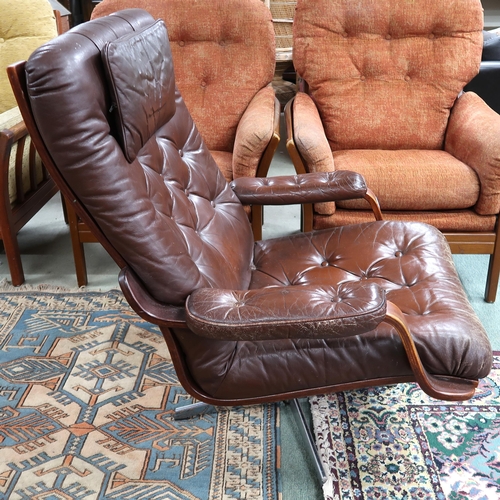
(398, 443)
(87, 392)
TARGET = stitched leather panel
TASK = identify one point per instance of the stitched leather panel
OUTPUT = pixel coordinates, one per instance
(141, 85)
(304, 312)
(308, 188)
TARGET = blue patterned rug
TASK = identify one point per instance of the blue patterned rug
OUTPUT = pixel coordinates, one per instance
(397, 443)
(87, 392)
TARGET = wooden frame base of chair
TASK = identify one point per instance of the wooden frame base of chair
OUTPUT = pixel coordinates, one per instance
(481, 243)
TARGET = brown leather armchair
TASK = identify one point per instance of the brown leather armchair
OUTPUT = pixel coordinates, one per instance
(245, 322)
(381, 85)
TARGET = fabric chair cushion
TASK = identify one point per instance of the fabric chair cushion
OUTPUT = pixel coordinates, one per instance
(450, 221)
(18, 38)
(9, 119)
(411, 180)
(374, 76)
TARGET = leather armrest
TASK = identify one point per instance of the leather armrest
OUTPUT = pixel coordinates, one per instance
(297, 189)
(472, 137)
(299, 312)
(255, 130)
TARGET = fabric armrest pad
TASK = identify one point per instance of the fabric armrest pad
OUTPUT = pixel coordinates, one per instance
(299, 312)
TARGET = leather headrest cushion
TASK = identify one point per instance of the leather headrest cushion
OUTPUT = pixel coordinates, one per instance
(140, 73)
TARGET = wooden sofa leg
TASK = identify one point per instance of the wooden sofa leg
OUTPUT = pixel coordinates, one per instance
(13, 255)
(7, 229)
(78, 250)
(493, 273)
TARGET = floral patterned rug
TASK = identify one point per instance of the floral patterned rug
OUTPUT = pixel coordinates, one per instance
(87, 392)
(398, 443)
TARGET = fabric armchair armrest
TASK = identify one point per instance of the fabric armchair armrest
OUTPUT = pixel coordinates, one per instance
(298, 312)
(306, 139)
(257, 129)
(304, 188)
(473, 137)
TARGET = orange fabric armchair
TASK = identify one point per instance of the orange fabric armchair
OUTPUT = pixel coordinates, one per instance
(382, 85)
(224, 56)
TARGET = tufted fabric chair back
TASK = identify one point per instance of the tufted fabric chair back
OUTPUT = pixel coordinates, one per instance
(210, 42)
(375, 67)
(185, 228)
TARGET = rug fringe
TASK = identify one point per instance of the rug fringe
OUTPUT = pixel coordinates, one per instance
(6, 286)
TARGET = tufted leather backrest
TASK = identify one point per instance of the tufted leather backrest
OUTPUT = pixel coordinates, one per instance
(106, 87)
(385, 73)
(224, 53)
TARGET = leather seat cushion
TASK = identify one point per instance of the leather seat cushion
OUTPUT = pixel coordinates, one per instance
(454, 343)
(411, 180)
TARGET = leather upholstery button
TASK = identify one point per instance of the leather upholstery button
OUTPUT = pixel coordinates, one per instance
(324, 263)
(203, 84)
(399, 253)
(388, 37)
(182, 43)
(181, 153)
(362, 78)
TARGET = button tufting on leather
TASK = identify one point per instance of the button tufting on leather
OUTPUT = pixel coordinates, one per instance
(324, 263)
(203, 83)
(362, 78)
(399, 253)
(182, 43)
(407, 78)
(388, 37)
(181, 153)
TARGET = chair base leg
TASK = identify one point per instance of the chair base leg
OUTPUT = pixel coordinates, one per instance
(199, 408)
(192, 410)
(309, 438)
